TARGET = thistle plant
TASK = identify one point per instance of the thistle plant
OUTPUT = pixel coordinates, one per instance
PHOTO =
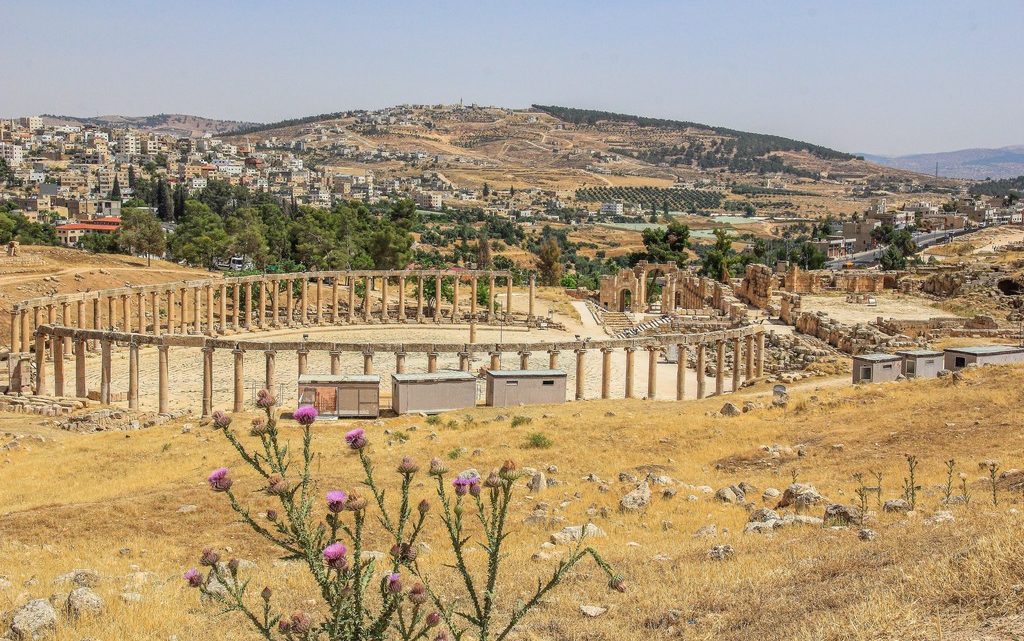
(362, 597)
(878, 488)
(862, 495)
(947, 489)
(965, 490)
(910, 486)
(993, 470)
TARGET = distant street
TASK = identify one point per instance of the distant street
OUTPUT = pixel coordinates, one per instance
(923, 240)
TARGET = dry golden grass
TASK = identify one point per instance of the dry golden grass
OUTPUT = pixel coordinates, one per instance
(110, 502)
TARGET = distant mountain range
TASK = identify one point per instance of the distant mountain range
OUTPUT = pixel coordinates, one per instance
(179, 125)
(974, 164)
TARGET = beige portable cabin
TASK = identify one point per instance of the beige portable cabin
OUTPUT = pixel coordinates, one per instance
(876, 368)
(432, 392)
(508, 388)
(341, 396)
(921, 363)
(961, 357)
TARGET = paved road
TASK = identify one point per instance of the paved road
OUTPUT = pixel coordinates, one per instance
(923, 240)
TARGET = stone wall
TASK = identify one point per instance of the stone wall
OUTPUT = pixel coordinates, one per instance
(756, 286)
(789, 310)
(855, 339)
(798, 281)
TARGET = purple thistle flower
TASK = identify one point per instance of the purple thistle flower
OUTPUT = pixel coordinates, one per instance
(265, 399)
(408, 466)
(334, 555)
(218, 480)
(193, 578)
(433, 619)
(305, 415)
(461, 486)
(356, 439)
(394, 583)
(336, 500)
(221, 420)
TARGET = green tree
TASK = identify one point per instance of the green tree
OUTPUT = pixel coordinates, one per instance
(141, 233)
(483, 249)
(892, 259)
(97, 243)
(200, 237)
(115, 190)
(718, 262)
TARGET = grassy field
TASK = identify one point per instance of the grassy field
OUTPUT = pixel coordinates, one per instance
(113, 502)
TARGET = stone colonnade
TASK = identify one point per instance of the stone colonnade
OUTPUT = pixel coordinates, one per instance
(746, 343)
(269, 301)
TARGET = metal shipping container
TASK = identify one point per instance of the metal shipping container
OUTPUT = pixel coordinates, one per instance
(876, 368)
(432, 392)
(508, 388)
(341, 396)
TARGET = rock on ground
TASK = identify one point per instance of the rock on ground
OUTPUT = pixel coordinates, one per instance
(896, 505)
(638, 499)
(34, 620)
(799, 495)
(839, 514)
(84, 602)
(592, 611)
(720, 552)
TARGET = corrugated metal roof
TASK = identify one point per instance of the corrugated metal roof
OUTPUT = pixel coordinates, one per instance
(986, 350)
(446, 375)
(523, 373)
(311, 379)
(876, 358)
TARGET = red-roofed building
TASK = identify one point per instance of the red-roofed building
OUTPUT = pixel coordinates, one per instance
(71, 233)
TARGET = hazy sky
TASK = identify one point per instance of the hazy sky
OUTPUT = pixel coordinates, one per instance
(898, 76)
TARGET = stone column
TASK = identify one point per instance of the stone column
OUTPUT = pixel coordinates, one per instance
(652, 371)
(464, 361)
(508, 297)
(162, 406)
(140, 303)
(491, 295)
(81, 389)
(223, 308)
(209, 310)
(15, 330)
(303, 360)
(455, 299)
(247, 287)
(580, 373)
(183, 297)
(495, 360)
(126, 313)
(154, 309)
(719, 367)
(683, 353)
(170, 311)
(384, 317)
(472, 299)
(351, 299)
(701, 368)
(105, 371)
(40, 365)
(630, 351)
(760, 354)
(606, 372)
(237, 313)
(319, 300)
(26, 335)
(270, 357)
(367, 304)
(472, 331)
(400, 362)
(239, 399)
(207, 382)
(261, 312)
(437, 298)
(289, 305)
(304, 310)
(58, 365)
(335, 316)
(748, 350)
(65, 320)
(275, 302)
(367, 363)
(432, 362)
(197, 309)
(419, 304)
(111, 312)
(524, 360)
(335, 362)
(133, 375)
(552, 359)
(533, 293)
(401, 299)
(80, 321)
(736, 363)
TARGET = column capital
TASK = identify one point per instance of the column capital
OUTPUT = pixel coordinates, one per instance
(208, 349)
(629, 348)
(607, 350)
(555, 351)
(580, 350)
(163, 348)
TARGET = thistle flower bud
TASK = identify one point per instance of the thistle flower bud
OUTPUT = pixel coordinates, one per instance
(508, 471)
(355, 503)
(418, 594)
(441, 636)
(474, 488)
(276, 485)
(437, 467)
(492, 480)
(219, 480)
(300, 623)
(393, 583)
(423, 507)
(209, 558)
(193, 578)
(265, 399)
(356, 439)
(259, 427)
(408, 466)
(618, 583)
(272, 515)
(233, 566)
(221, 420)
(433, 619)
(266, 593)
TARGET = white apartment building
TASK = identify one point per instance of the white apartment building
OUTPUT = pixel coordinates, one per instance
(611, 209)
(12, 154)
